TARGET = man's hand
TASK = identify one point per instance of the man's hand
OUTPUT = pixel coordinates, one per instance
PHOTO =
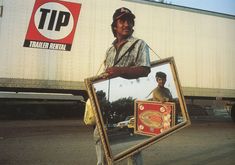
(114, 71)
(128, 72)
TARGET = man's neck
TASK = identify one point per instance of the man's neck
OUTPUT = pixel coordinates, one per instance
(118, 44)
(161, 87)
(121, 38)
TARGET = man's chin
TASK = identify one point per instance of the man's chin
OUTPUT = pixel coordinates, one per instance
(126, 35)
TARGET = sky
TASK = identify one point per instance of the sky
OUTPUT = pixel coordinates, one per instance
(220, 6)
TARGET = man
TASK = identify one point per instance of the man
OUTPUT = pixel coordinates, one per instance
(161, 93)
(128, 57)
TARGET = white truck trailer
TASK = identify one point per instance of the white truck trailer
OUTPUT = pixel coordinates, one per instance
(50, 46)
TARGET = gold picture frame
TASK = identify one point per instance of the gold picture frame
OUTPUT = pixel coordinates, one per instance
(113, 100)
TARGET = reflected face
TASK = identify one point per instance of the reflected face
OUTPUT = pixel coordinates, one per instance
(161, 81)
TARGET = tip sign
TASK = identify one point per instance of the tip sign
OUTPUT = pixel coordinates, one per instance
(52, 25)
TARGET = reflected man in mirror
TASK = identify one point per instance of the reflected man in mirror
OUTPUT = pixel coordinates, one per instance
(161, 93)
(128, 57)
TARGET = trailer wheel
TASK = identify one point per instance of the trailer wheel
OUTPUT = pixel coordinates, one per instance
(233, 112)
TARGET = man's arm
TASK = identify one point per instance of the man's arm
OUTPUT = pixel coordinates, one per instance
(132, 72)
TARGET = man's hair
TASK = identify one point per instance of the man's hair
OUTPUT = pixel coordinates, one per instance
(120, 13)
(160, 75)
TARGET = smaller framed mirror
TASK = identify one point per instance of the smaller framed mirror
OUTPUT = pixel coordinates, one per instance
(130, 113)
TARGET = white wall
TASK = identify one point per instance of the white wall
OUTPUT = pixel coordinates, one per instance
(202, 45)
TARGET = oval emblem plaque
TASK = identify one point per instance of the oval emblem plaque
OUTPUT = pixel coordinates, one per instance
(152, 118)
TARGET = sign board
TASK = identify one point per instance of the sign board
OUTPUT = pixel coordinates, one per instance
(152, 118)
(52, 25)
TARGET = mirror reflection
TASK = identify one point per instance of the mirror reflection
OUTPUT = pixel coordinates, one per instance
(134, 110)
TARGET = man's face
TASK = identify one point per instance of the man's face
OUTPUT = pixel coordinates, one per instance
(124, 27)
(161, 81)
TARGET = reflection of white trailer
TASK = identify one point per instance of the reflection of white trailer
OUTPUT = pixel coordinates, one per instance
(201, 42)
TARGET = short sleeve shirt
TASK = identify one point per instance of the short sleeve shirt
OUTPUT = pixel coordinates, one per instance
(125, 57)
(162, 94)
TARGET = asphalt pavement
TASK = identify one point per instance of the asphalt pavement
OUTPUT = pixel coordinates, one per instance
(208, 141)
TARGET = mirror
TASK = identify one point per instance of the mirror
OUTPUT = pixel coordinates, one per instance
(129, 118)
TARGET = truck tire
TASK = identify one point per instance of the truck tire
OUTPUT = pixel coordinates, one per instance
(233, 112)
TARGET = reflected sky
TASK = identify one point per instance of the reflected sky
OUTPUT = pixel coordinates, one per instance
(120, 87)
